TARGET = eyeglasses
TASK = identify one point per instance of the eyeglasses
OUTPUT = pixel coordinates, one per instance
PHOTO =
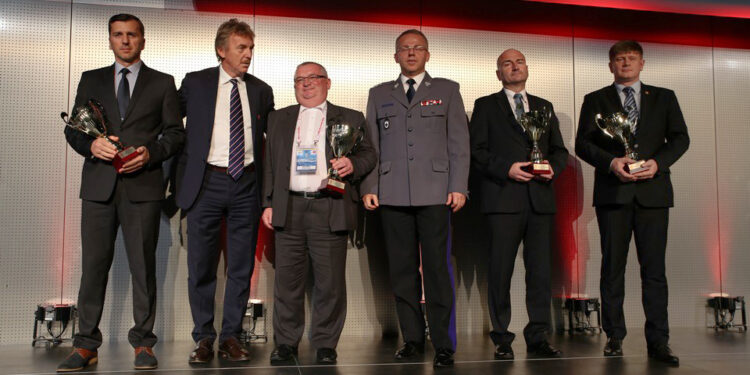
(311, 78)
(415, 48)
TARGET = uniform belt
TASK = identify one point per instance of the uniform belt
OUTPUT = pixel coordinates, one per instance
(309, 194)
(249, 168)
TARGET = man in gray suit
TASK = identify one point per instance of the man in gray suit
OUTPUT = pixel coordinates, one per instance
(310, 223)
(419, 127)
(141, 104)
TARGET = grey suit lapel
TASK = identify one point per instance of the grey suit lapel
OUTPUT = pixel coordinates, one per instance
(108, 98)
(423, 91)
(253, 101)
(287, 140)
(647, 102)
(332, 113)
(140, 87)
(398, 92)
(507, 112)
(614, 98)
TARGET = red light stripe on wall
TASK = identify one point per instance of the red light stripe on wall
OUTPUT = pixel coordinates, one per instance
(511, 16)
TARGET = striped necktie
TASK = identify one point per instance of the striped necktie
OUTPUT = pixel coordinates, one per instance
(631, 108)
(518, 98)
(236, 134)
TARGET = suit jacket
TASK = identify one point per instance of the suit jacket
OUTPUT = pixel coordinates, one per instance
(197, 96)
(423, 145)
(662, 135)
(278, 159)
(152, 120)
(498, 141)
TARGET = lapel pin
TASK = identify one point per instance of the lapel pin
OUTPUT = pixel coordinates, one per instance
(386, 124)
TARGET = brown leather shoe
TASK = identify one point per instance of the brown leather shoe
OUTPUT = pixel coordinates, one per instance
(203, 352)
(232, 350)
(78, 359)
(145, 358)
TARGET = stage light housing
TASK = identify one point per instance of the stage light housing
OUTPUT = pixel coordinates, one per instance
(722, 310)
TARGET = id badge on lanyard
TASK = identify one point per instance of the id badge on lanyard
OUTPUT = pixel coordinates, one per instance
(306, 161)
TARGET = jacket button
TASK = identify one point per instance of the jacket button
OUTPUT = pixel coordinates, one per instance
(411, 158)
(411, 143)
(635, 145)
(410, 129)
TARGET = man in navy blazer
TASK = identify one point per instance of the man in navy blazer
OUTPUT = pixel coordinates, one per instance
(226, 110)
(141, 107)
(637, 202)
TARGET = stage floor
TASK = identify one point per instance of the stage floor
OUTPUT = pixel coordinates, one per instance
(701, 351)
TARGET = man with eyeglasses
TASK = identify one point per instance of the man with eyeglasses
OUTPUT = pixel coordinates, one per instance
(420, 129)
(310, 224)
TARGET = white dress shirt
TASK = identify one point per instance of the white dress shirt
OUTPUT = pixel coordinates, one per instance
(311, 127)
(418, 79)
(218, 153)
(132, 76)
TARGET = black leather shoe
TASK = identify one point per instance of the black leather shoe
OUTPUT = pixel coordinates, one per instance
(78, 359)
(325, 356)
(504, 351)
(203, 352)
(145, 358)
(231, 350)
(663, 353)
(543, 349)
(443, 358)
(613, 347)
(409, 350)
(284, 355)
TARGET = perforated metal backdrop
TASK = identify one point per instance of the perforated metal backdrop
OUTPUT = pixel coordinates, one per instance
(47, 44)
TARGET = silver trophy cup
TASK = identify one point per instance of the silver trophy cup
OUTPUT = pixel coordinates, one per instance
(535, 124)
(343, 139)
(91, 119)
(619, 127)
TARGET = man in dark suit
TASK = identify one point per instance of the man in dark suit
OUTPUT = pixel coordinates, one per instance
(143, 112)
(636, 202)
(226, 110)
(419, 128)
(519, 205)
(309, 222)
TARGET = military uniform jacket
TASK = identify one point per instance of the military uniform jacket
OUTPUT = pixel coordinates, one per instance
(423, 146)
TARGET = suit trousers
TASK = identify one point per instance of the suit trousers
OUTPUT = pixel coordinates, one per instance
(507, 231)
(616, 224)
(220, 197)
(140, 229)
(405, 229)
(306, 240)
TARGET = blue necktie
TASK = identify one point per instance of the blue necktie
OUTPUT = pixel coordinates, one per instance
(123, 93)
(410, 92)
(518, 98)
(631, 108)
(236, 134)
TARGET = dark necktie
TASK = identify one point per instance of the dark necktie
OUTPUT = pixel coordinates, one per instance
(631, 108)
(518, 99)
(236, 134)
(123, 93)
(410, 92)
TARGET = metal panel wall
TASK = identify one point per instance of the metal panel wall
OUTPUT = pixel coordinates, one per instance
(40, 175)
